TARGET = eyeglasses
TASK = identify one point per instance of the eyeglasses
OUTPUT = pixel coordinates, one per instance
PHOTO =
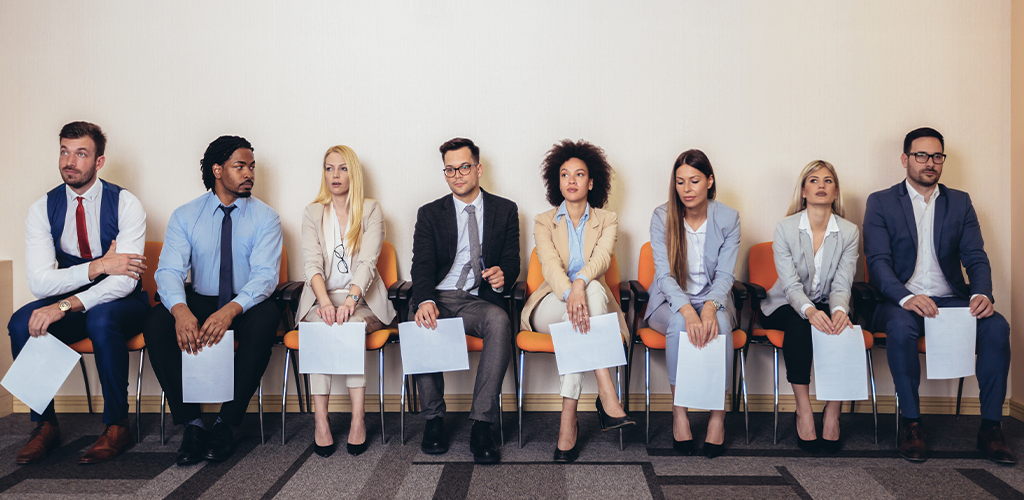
(937, 158)
(449, 172)
(340, 257)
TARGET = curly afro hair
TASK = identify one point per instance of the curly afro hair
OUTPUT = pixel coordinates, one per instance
(597, 167)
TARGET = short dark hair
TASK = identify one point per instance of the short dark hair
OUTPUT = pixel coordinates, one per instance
(459, 143)
(698, 160)
(597, 167)
(217, 153)
(76, 130)
(919, 133)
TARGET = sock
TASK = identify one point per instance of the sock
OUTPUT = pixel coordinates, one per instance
(987, 424)
(198, 422)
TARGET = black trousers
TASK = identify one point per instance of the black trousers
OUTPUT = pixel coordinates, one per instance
(797, 349)
(255, 332)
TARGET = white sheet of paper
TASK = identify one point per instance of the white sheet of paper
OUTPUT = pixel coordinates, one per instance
(840, 365)
(950, 341)
(601, 347)
(700, 374)
(41, 368)
(209, 377)
(332, 349)
(432, 351)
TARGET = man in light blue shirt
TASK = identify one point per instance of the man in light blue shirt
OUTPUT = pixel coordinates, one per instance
(231, 243)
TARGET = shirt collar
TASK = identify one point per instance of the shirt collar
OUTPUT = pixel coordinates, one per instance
(89, 195)
(460, 206)
(563, 211)
(914, 195)
(212, 200)
(702, 229)
(805, 223)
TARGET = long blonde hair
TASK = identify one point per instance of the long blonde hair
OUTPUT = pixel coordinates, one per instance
(675, 232)
(800, 203)
(354, 199)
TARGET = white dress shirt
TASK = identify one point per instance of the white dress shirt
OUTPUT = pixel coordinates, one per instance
(696, 276)
(45, 280)
(927, 278)
(816, 288)
(462, 247)
(337, 281)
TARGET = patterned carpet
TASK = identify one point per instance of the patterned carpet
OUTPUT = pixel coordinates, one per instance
(758, 470)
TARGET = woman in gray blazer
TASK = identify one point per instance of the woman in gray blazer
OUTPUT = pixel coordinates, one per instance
(342, 234)
(695, 241)
(815, 252)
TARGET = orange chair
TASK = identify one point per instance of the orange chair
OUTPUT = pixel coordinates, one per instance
(652, 339)
(136, 343)
(535, 342)
(762, 277)
(387, 269)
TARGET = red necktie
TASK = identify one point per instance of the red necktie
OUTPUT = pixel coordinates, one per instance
(83, 236)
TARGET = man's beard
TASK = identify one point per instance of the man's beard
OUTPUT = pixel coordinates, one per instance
(87, 177)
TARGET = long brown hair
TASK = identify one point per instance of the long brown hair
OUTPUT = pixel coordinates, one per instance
(675, 233)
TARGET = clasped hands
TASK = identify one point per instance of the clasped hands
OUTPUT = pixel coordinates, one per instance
(829, 326)
(191, 338)
(703, 328)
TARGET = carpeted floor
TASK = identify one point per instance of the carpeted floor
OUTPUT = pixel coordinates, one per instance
(758, 470)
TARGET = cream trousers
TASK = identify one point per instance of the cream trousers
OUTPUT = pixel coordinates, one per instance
(319, 384)
(551, 309)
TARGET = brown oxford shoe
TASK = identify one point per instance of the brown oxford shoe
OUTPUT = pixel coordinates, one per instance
(994, 445)
(913, 447)
(114, 440)
(44, 438)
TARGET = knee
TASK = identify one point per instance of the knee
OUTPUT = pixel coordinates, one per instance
(901, 327)
(499, 323)
(17, 327)
(676, 324)
(997, 331)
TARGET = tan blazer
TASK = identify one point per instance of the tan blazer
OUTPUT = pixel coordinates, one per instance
(316, 253)
(552, 241)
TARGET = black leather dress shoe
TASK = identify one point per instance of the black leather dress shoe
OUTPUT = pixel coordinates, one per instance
(434, 441)
(221, 444)
(193, 445)
(481, 443)
(912, 447)
(994, 445)
(685, 448)
(608, 422)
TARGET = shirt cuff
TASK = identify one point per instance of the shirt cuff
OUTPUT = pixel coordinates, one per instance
(804, 309)
(245, 302)
(840, 308)
(581, 276)
(565, 296)
(905, 299)
(498, 290)
(87, 299)
(80, 274)
(425, 301)
(977, 294)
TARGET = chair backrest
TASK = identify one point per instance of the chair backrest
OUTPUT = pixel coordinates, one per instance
(645, 268)
(152, 253)
(387, 265)
(762, 265)
(534, 277)
(282, 276)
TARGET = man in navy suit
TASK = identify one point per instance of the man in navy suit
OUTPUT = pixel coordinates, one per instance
(917, 234)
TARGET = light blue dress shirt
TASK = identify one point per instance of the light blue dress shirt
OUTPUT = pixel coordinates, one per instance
(576, 261)
(192, 242)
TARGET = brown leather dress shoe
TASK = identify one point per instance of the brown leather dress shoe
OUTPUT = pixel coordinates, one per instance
(44, 438)
(994, 445)
(114, 440)
(912, 448)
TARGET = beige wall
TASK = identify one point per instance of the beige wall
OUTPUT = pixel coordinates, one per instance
(1017, 187)
(761, 87)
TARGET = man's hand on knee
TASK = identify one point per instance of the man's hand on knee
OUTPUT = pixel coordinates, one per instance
(426, 315)
(218, 324)
(922, 305)
(981, 307)
(186, 327)
(42, 318)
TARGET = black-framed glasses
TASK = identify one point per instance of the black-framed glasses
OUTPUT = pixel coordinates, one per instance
(937, 158)
(340, 257)
(461, 169)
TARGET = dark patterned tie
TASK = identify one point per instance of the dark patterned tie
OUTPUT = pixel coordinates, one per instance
(474, 253)
(226, 262)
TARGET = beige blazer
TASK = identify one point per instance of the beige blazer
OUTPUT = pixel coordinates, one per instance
(316, 253)
(552, 240)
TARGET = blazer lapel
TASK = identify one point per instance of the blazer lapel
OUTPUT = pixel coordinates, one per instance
(451, 227)
(806, 257)
(489, 217)
(327, 248)
(941, 203)
(908, 212)
(828, 249)
(712, 242)
(590, 236)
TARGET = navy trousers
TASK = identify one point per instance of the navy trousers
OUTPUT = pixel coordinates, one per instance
(109, 326)
(902, 329)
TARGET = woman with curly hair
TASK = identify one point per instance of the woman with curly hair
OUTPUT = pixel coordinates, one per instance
(575, 242)
(695, 241)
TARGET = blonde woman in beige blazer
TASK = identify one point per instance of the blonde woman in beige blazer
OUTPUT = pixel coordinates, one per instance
(815, 252)
(575, 242)
(340, 245)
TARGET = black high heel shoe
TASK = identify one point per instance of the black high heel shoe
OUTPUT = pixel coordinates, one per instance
(608, 423)
(808, 445)
(714, 450)
(324, 451)
(685, 448)
(569, 456)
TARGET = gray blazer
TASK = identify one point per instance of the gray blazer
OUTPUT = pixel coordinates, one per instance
(794, 263)
(721, 247)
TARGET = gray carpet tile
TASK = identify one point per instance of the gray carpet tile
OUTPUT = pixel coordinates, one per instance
(512, 481)
(419, 484)
(720, 492)
(838, 482)
(927, 483)
(77, 486)
(608, 481)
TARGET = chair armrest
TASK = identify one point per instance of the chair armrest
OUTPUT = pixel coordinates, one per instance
(739, 294)
(624, 295)
(393, 289)
(519, 292)
(405, 291)
(639, 292)
(863, 291)
(757, 292)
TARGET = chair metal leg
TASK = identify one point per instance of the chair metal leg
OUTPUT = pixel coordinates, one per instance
(959, 394)
(775, 433)
(402, 418)
(734, 387)
(163, 421)
(309, 395)
(85, 378)
(295, 371)
(647, 394)
(380, 391)
(746, 405)
(263, 437)
(138, 396)
(284, 392)
(897, 420)
(519, 402)
(618, 390)
(501, 419)
(874, 395)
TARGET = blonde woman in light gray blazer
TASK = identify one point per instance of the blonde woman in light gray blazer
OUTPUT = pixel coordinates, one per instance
(815, 251)
(342, 234)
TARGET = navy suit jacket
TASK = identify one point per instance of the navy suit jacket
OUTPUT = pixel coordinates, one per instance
(890, 242)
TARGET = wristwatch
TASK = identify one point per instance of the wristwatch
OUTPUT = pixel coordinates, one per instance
(718, 305)
(354, 297)
(64, 305)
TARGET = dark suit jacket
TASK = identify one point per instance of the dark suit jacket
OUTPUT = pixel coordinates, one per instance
(890, 242)
(434, 246)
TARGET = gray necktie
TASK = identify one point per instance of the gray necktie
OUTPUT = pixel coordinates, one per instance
(474, 253)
